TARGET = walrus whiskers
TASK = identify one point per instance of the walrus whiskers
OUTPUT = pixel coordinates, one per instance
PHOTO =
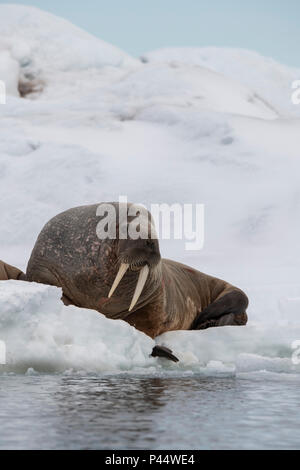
(140, 286)
(119, 276)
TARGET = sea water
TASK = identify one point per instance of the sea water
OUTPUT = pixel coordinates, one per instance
(149, 412)
(73, 379)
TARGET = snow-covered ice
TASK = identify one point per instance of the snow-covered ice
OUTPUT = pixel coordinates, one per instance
(43, 335)
(267, 78)
(212, 126)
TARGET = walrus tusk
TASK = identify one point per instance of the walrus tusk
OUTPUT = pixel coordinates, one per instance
(140, 286)
(119, 276)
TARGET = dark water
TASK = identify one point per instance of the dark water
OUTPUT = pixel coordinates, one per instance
(126, 412)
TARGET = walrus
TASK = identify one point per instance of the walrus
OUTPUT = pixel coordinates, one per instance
(126, 278)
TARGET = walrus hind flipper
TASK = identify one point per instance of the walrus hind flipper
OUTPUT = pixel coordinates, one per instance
(162, 351)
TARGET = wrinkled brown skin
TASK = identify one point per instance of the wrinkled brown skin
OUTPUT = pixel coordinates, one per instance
(68, 254)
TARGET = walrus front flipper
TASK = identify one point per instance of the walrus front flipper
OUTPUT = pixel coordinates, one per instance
(10, 272)
(230, 309)
(162, 351)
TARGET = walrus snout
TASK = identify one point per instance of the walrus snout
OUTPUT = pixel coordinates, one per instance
(138, 253)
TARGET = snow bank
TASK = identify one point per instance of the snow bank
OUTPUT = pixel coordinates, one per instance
(43, 335)
(247, 349)
(9, 72)
(188, 85)
(267, 78)
(41, 44)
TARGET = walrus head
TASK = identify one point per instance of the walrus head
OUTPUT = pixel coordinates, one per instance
(137, 253)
